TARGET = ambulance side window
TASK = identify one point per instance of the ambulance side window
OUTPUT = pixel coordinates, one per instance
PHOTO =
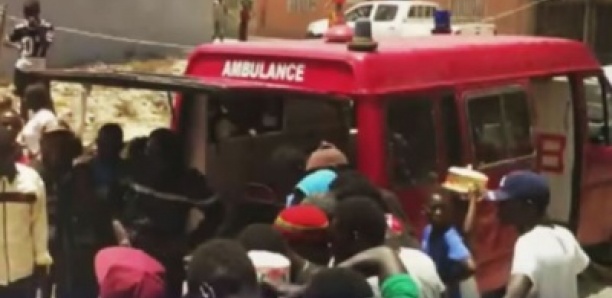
(599, 109)
(411, 141)
(500, 126)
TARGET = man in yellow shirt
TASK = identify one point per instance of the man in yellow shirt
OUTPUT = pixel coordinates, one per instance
(24, 254)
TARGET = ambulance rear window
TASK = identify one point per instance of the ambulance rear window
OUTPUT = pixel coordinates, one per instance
(500, 126)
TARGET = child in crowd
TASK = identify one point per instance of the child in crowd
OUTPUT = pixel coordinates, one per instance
(444, 244)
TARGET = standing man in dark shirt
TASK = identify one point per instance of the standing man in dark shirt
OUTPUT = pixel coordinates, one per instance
(159, 205)
(32, 37)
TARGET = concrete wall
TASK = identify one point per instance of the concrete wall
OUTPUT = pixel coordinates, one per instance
(187, 22)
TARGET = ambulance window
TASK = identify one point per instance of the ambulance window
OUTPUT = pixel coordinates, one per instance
(598, 99)
(239, 115)
(385, 13)
(411, 141)
(500, 126)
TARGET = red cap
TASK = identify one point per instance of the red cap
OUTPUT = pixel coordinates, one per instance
(124, 272)
(303, 223)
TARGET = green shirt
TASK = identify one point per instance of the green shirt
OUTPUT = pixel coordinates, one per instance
(399, 286)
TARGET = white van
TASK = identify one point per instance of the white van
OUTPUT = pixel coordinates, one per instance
(396, 18)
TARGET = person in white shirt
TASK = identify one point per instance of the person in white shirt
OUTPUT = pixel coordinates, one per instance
(547, 257)
(38, 102)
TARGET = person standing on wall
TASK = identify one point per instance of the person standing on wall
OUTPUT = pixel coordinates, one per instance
(245, 17)
(219, 19)
(32, 37)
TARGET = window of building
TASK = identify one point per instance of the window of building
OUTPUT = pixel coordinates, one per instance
(500, 125)
(411, 140)
(301, 6)
(385, 13)
(468, 9)
(364, 11)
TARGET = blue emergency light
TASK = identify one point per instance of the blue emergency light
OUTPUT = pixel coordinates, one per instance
(442, 22)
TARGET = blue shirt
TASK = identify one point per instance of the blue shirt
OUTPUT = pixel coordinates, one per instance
(448, 251)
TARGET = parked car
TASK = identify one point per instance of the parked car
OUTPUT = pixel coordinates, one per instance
(397, 18)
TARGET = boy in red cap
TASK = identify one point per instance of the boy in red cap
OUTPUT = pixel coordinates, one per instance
(124, 272)
(305, 229)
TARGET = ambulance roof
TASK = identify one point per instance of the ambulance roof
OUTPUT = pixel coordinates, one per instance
(397, 65)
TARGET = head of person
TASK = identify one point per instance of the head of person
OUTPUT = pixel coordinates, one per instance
(352, 183)
(263, 237)
(109, 141)
(439, 211)
(338, 282)
(305, 228)
(37, 97)
(221, 268)
(31, 10)
(522, 197)
(128, 273)
(136, 149)
(8, 147)
(314, 184)
(359, 224)
(11, 120)
(6, 103)
(326, 202)
(57, 147)
(326, 156)
(163, 150)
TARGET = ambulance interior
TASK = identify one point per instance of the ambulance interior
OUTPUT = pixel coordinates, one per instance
(233, 134)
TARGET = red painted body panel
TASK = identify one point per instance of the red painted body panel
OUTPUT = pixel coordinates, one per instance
(413, 65)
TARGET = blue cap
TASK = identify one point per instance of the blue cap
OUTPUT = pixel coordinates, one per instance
(522, 185)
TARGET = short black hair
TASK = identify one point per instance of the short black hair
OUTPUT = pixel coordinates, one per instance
(262, 237)
(350, 183)
(224, 266)
(31, 8)
(338, 282)
(37, 97)
(362, 216)
(113, 130)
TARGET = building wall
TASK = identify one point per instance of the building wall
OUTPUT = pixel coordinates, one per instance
(274, 18)
(187, 22)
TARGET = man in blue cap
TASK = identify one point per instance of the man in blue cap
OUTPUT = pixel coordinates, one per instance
(547, 257)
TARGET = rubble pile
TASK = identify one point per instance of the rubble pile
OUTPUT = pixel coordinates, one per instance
(138, 111)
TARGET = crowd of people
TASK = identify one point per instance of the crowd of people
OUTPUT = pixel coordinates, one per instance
(133, 220)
